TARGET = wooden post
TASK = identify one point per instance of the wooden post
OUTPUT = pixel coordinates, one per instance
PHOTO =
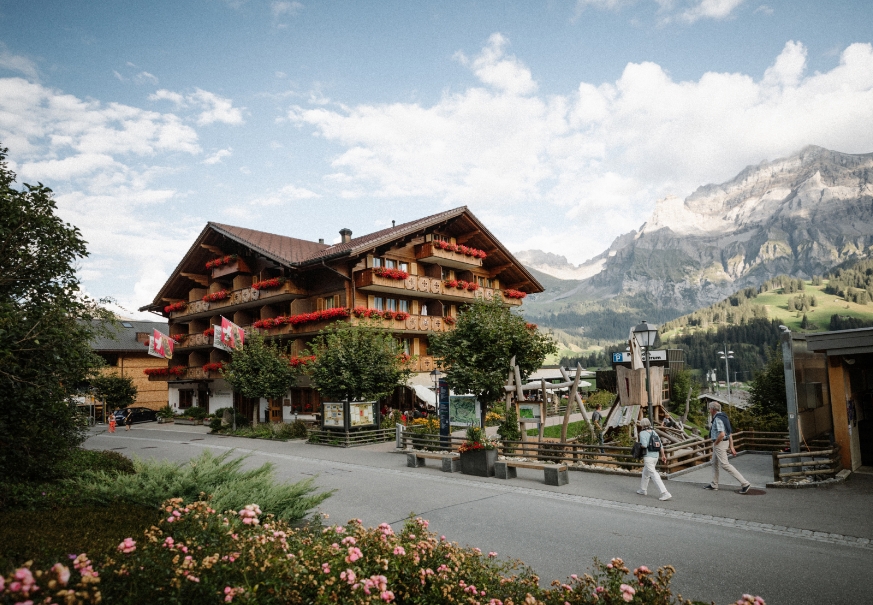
(570, 401)
(579, 399)
(776, 467)
(519, 393)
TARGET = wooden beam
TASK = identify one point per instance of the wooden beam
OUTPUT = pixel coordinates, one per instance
(517, 285)
(499, 268)
(172, 300)
(214, 249)
(466, 237)
(203, 280)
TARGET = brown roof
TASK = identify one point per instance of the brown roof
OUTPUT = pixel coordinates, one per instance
(280, 247)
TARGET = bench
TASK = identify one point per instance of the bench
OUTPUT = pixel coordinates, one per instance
(451, 464)
(555, 474)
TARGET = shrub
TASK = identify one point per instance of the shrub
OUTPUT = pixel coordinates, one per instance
(166, 412)
(197, 413)
(424, 426)
(198, 555)
(224, 479)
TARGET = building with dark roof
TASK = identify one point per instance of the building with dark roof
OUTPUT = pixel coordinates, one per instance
(414, 275)
(125, 351)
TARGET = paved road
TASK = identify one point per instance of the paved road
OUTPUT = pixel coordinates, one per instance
(790, 546)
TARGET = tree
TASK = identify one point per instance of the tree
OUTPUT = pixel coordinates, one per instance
(259, 369)
(357, 362)
(476, 354)
(767, 389)
(684, 393)
(45, 331)
(115, 391)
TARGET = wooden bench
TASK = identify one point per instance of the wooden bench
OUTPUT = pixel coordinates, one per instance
(451, 464)
(555, 474)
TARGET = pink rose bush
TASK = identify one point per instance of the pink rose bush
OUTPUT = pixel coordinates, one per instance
(199, 555)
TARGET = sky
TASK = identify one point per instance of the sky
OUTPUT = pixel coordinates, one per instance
(558, 123)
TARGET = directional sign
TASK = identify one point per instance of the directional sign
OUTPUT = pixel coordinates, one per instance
(626, 357)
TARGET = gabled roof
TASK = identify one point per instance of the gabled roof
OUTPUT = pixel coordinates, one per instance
(289, 250)
(123, 337)
(298, 253)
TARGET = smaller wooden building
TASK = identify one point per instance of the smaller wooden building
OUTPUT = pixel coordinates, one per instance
(846, 388)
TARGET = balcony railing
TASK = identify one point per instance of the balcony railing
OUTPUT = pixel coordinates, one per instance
(246, 297)
(195, 373)
(419, 324)
(429, 253)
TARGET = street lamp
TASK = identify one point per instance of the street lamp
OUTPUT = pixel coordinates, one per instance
(645, 336)
(443, 414)
(727, 374)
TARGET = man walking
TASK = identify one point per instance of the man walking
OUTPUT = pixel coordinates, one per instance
(720, 433)
(654, 449)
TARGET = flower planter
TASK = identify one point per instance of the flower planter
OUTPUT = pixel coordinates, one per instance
(189, 421)
(165, 420)
(479, 462)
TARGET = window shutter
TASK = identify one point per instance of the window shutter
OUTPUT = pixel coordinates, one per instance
(319, 305)
(336, 301)
(370, 301)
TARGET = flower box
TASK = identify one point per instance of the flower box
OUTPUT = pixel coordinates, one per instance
(433, 252)
(231, 268)
(479, 462)
(189, 421)
(165, 420)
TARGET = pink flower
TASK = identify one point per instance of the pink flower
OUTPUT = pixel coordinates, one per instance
(354, 554)
(325, 567)
(128, 546)
(387, 596)
(641, 569)
(492, 554)
(61, 571)
(349, 540)
(627, 592)
(349, 576)
(398, 550)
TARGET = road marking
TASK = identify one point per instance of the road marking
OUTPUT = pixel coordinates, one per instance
(767, 528)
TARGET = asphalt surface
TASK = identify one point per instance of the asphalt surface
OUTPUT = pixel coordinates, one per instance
(789, 546)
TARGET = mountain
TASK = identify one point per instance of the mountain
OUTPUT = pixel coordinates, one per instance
(799, 216)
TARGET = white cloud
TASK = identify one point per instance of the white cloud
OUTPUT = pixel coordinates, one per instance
(18, 63)
(711, 9)
(278, 9)
(764, 9)
(593, 160)
(212, 108)
(145, 77)
(219, 155)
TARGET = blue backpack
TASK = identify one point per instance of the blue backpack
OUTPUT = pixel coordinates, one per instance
(726, 422)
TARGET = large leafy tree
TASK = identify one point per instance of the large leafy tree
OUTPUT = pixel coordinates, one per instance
(45, 331)
(475, 355)
(260, 369)
(116, 391)
(357, 362)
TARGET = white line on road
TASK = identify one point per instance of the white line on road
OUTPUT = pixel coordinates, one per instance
(767, 528)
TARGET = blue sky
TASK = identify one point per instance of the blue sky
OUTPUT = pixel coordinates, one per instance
(559, 123)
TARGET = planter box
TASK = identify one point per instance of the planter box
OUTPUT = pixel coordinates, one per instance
(188, 421)
(479, 462)
(165, 420)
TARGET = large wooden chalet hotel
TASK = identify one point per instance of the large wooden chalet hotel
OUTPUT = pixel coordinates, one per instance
(416, 275)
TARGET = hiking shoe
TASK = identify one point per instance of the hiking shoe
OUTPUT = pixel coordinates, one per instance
(710, 486)
(745, 489)
(665, 496)
(641, 492)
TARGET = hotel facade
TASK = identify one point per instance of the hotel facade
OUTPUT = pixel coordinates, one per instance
(413, 278)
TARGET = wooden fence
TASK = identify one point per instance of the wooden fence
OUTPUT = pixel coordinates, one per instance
(352, 438)
(680, 456)
(813, 465)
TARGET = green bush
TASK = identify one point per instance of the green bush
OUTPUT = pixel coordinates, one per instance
(240, 419)
(27, 535)
(281, 431)
(196, 412)
(166, 412)
(198, 555)
(222, 478)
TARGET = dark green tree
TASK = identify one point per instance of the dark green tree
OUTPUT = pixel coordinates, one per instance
(767, 389)
(475, 355)
(115, 391)
(45, 331)
(259, 369)
(357, 362)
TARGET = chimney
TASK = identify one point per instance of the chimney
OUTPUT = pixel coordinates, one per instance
(392, 224)
(320, 240)
(345, 236)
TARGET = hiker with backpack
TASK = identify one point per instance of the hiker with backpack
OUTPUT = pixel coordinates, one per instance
(720, 433)
(653, 449)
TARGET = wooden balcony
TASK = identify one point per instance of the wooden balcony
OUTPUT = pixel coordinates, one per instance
(423, 363)
(414, 324)
(243, 298)
(193, 341)
(425, 287)
(237, 266)
(195, 373)
(429, 253)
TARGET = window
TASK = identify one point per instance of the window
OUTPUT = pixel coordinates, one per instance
(403, 266)
(440, 238)
(379, 303)
(377, 262)
(390, 304)
(405, 345)
(403, 305)
(446, 273)
(186, 398)
(390, 263)
(485, 282)
(329, 302)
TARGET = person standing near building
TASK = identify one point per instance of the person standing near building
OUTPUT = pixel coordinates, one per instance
(597, 423)
(720, 433)
(654, 449)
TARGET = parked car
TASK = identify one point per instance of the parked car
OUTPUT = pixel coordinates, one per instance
(138, 415)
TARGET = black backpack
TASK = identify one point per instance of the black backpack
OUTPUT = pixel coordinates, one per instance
(638, 451)
(654, 442)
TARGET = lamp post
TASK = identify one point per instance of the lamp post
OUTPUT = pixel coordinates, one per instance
(727, 374)
(645, 335)
(442, 410)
